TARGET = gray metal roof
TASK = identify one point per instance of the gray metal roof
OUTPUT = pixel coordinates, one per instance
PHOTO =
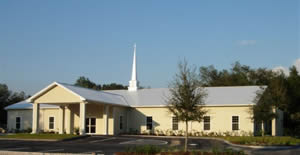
(216, 96)
(154, 97)
(98, 96)
(27, 105)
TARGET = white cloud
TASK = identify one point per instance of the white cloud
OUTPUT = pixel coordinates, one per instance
(246, 42)
(285, 70)
(297, 64)
(280, 69)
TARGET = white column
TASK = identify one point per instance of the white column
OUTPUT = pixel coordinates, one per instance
(68, 120)
(82, 118)
(273, 127)
(62, 119)
(35, 117)
(105, 119)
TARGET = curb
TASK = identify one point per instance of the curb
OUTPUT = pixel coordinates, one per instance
(220, 139)
(20, 139)
(46, 140)
(75, 138)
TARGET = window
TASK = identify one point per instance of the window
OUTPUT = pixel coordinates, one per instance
(18, 122)
(51, 123)
(121, 122)
(175, 123)
(206, 122)
(149, 122)
(235, 122)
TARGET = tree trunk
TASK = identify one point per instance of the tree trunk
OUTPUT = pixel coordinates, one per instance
(186, 136)
(262, 129)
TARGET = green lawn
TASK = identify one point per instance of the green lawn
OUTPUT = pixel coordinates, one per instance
(38, 136)
(267, 140)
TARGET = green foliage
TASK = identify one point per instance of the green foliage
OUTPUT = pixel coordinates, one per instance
(187, 97)
(267, 140)
(86, 83)
(7, 98)
(293, 108)
(144, 149)
(150, 149)
(283, 92)
(38, 136)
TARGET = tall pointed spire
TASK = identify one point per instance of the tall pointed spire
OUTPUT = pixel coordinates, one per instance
(133, 83)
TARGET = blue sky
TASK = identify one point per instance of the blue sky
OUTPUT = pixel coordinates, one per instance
(55, 40)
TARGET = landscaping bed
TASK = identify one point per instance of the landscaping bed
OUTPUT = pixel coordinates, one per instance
(38, 136)
(263, 141)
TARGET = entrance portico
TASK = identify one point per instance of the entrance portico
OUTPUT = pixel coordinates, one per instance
(74, 111)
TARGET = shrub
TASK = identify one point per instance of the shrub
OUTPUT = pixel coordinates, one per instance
(145, 149)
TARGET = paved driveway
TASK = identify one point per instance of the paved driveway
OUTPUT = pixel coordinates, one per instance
(111, 144)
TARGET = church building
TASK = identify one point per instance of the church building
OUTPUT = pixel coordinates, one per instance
(65, 108)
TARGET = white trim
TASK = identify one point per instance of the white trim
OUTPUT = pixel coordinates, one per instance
(239, 125)
(20, 122)
(50, 87)
(53, 123)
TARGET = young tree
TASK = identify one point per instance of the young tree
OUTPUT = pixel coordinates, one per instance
(187, 97)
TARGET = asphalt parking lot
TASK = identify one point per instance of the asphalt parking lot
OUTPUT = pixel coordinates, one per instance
(101, 144)
(112, 144)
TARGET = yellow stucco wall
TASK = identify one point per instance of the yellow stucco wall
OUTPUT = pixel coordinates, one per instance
(26, 118)
(57, 95)
(120, 111)
(221, 119)
(44, 119)
(135, 119)
(94, 110)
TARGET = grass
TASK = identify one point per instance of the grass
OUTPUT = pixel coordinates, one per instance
(151, 149)
(265, 141)
(38, 136)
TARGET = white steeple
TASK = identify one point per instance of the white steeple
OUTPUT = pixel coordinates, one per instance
(133, 83)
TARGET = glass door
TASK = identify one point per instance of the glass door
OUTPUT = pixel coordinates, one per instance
(90, 125)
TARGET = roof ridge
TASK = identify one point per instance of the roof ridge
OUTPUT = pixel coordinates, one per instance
(98, 91)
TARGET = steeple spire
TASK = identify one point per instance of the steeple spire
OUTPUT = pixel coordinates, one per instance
(133, 83)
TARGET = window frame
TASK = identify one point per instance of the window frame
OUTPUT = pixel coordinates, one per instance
(177, 124)
(238, 123)
(149, 123)
(20, 123)
(50, 122)
(206, 123)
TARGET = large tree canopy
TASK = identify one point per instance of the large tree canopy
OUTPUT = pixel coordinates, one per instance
(7, 98)
(283, 91)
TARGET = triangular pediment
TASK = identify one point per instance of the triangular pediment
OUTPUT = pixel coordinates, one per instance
(55, 93)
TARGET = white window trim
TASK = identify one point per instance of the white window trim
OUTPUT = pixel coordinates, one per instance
(209, 123)
(20, 122)
(238, 123)
(53, 123)
(151, 123)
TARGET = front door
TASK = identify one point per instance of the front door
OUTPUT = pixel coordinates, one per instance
(90, 125)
